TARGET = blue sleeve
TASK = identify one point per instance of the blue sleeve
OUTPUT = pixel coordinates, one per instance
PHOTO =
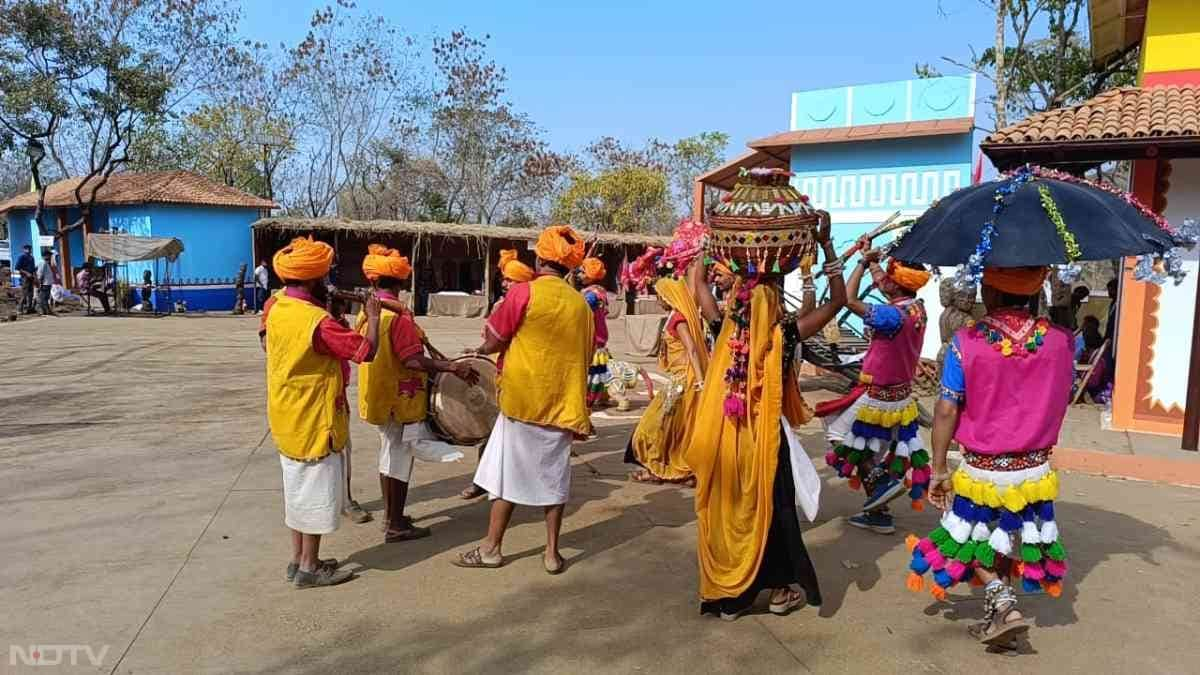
(884, 319)
(592, 300)
(1078, 347)
(954, 381)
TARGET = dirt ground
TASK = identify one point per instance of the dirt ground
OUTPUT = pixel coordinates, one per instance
(143, 520)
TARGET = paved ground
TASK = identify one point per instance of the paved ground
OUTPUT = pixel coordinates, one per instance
(142, 513)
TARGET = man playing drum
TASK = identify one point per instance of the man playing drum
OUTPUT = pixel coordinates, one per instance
(392, 396)
(545, 332)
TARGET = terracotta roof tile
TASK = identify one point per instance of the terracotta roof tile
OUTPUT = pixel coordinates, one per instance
(155, 187)
(1129, 112)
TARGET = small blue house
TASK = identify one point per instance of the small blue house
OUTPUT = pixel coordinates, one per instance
(211, 219)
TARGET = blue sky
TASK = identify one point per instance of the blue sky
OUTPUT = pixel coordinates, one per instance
(634, 70)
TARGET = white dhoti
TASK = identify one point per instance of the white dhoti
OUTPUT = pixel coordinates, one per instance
(313, 493)
(526, 464)
(400, 444)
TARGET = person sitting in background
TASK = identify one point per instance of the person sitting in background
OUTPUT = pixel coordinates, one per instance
(1088, 340)
(91, 286)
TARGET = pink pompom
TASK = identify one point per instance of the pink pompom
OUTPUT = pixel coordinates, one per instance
(1055, 568)
(734, 407)
(956, 570)
(927, 547)
(845, 470)
(921, 475)
(831, 458)
(1033, 571)
(936, 560)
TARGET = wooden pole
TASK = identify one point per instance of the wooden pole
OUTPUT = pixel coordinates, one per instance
(416, 274)
(1191, 414)
(487, 276)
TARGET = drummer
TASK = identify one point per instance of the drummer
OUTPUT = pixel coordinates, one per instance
(391, 393)
(512, 271)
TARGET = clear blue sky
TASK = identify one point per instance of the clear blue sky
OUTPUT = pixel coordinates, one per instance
(670, 69)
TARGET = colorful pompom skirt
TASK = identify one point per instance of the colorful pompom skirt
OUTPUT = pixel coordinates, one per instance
(879, 428)
(1002, 519)
(598, 377)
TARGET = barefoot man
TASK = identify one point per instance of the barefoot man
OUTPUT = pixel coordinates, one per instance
(544, 331)
(391, 394)
(306, 403)
(1006, 385)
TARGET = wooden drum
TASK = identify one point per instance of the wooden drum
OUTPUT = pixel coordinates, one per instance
(461, 413)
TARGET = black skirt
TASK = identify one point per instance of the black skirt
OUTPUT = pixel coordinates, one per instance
(785, 560)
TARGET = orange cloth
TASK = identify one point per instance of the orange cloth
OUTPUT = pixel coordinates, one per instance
(735, 462)
(1015, 280)
(303, 260)
(907, 277)
(513, 269)
(720, 269)
(593, 270)
(560, 244)
(382, 261)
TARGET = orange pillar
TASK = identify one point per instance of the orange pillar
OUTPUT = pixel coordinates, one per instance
(698, 201)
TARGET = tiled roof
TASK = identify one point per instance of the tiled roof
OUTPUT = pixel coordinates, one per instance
(866, 132)
(1118, 115)
(154, 187)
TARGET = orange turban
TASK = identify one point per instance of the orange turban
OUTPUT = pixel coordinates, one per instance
(907, 277)
(720, 269)
(303, 260)
(593, 270)
(560, 244)
(513, 269)
(1015, 280)
(382, 261)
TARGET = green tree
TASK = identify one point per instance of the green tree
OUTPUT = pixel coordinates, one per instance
(690, 158)
(624, 199)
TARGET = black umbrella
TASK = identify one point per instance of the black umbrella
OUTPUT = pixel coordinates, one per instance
(1020, 208)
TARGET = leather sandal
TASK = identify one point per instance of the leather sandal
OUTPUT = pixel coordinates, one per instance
(474, 559)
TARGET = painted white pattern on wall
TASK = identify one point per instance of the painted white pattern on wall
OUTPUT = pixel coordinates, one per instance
(879, 190)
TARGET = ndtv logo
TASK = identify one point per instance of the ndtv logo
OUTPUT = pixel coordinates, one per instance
(55, 655)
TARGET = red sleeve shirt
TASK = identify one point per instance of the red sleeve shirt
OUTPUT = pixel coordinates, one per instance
(506, 318)
(340, 342)
(405, 336)
(673, 323)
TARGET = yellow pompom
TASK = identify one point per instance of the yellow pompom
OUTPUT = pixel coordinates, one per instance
(1013, 500)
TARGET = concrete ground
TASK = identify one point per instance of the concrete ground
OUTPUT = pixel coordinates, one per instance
(143, 519)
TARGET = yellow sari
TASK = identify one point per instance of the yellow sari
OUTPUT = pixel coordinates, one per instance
(735, 462)
(661, 435)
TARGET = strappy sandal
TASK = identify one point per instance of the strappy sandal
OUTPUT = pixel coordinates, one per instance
(644, 476)
(473, 559)
(472, 492)
(793, 600)
(558, 569)
(408, 532)
(998, 630)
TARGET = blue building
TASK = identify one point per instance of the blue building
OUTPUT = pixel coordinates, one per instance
(864, 152)
(211, 219)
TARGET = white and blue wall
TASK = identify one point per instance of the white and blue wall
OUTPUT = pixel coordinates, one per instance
(861, 183)
(216, 241)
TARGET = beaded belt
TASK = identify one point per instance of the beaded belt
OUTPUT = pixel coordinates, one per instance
(1009, 461)
(889, 392)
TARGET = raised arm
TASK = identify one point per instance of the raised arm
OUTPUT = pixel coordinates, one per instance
(868, 260)
(698, 285)
(811, 323)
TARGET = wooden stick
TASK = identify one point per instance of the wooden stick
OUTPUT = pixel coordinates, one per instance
(388, 304)
(886, 226)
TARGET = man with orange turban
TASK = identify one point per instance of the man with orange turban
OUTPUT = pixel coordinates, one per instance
(1006, 385)
(873, 431)
(512, 271)
(392, 396)
(307, 410)
(544, 333)
(591, 276)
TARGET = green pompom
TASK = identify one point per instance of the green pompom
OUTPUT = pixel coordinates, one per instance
(939, 535)
(842, 451)
(949, 548)
(1056, 551)
(856, 457)
(919, 459)
(985, 554)
(775, 267)
(966, 553)
(1030, 553)
(897, 467)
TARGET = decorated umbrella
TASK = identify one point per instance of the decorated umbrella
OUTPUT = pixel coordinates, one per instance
(1036, 216)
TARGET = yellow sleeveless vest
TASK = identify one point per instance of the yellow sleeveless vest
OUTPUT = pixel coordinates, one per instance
(303, 386)
(546, 363)
(386, 389)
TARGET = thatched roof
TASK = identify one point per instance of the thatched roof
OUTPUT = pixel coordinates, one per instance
(151, 187)
(368, 228)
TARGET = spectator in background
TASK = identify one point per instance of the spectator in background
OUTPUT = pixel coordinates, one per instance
(1078, 296)
(147, 290)
(1088, 340)
(47, 276)
(27, 269)
(91, 286)
(262, 285)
